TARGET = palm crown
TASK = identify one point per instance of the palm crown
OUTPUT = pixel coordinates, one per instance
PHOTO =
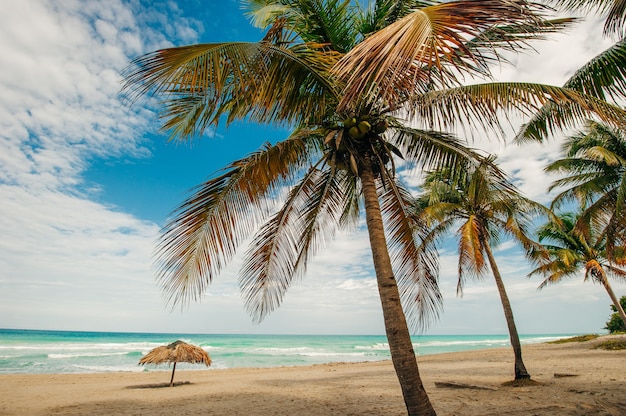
(572, 248)
(485, 204)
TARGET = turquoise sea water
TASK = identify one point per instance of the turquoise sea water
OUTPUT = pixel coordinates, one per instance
(29, 351)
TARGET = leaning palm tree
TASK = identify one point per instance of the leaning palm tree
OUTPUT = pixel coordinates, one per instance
(571, 250)
(595, 175)
(341, 157)
(486, 206)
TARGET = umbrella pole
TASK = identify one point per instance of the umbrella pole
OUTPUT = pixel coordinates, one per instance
(172, 379)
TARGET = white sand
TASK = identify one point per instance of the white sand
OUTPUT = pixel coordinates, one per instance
(589, 382)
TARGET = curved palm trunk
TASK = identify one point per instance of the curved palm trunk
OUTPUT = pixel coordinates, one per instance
(520, 368)
(609, 290)
(398, 335)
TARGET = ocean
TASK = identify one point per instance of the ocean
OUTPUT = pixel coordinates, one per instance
(33, 351)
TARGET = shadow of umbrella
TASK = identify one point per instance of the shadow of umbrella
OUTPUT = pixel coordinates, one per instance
(176, 352)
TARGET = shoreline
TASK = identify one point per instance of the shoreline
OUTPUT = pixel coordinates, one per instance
(573, 379)
(78, 352)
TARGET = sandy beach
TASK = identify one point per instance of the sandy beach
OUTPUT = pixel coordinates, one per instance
(573, 379)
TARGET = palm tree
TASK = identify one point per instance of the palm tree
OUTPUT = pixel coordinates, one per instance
(595, 169)
(571, 250)
(485, 205)
(342, 153)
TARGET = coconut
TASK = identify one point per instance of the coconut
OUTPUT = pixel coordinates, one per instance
(349, 122)
(364, 126)
(355, 133)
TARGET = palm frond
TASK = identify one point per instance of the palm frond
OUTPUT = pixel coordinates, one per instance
(329, 22)
(472, 234)
(604, 77)
(551, 279)
(614, 10)
(263, 13)
(482, 106)
(201, 83)
(281, 249)
(391, 64)
(616, 272)
(434, 149)
(207, 228)
(382, 13)
(511, 37)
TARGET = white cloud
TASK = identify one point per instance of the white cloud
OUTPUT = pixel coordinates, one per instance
(68, 262)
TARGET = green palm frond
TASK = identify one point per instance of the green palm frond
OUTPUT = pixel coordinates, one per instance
(482, 106)
(382, 13)
(594, 172)
(440, 207)
(416, 268)
(206, 229)
(434, 149)
(555, 277)
(604, 77)
(202, 83)
(329, 22)
(263, 13)
(486, 205)
(585, 188)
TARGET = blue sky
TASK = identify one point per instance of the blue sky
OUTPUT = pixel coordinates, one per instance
(86, 181)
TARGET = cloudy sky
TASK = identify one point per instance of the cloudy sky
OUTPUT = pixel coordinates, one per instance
(86, 181)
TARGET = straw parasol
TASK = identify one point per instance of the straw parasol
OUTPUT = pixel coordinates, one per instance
(175, 352)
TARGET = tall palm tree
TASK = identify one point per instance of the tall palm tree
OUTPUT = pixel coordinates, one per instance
(571, 250)
(486, 206)
(342, 153)
(595, 169)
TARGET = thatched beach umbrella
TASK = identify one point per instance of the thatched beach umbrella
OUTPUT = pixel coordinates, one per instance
(175, 352)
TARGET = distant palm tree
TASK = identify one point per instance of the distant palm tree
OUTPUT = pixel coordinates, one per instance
(341, 156)
(595, 169)
(572, 250)
(486, 206)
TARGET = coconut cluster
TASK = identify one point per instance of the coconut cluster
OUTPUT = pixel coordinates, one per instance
(358, 128)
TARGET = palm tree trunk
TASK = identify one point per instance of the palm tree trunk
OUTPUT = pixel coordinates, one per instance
(398, 335)
(609, 289)
(520, 368)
